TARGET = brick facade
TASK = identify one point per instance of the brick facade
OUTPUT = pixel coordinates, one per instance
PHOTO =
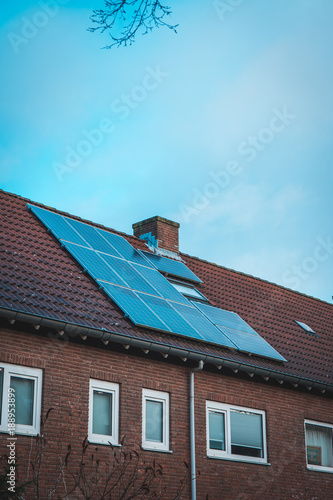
(68, 366)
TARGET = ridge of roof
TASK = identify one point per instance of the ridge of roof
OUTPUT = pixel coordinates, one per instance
(262, 280)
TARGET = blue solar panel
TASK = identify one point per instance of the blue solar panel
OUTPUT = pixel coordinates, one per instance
(131, 304)
(206, 330)
(163, 287)
(58, 225)
(94, 264)
(174, 321)
(253, 344)
(124, 248)
(130, 275)
(226, 318)
(172, 267)
(239, 332)
(93, 238)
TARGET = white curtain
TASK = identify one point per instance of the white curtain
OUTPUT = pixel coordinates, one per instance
(320, 437)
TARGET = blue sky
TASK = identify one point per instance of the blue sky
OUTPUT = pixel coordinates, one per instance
(225, 127)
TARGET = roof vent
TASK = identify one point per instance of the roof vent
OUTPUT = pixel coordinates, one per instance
(307, 328)
(163, 230)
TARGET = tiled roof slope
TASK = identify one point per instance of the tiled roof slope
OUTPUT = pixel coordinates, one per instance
(40, 278)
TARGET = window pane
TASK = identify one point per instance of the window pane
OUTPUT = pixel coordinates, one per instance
(1, 391)
(319, 445)
(216, 431)
(154, 421)
(102, 413)
(24, 398)
(246, 433)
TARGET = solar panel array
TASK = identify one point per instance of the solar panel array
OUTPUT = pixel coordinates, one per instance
(172, 267)
(142, 293)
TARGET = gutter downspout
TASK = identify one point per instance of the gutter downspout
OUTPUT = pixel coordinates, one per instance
(192, 430)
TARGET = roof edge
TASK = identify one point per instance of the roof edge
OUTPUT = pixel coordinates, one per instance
(73, 330)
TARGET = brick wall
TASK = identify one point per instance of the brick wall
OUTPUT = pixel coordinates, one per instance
(68, 366)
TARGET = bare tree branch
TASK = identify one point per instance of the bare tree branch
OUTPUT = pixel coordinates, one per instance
(123, 19)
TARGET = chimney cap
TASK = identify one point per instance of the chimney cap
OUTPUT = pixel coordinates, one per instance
(156, 218)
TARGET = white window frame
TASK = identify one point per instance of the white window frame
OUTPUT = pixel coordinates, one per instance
(226, 454)
(161, 397)
(35, 374)
(111, 388)
(319, 468)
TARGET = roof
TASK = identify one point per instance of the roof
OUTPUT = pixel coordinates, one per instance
(41, 282)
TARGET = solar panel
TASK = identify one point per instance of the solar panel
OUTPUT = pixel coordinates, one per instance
(254, 344)
(130, 303)
(124, 248)
(93, 238)
(145, 295)
(203, 326)
(239, 332)
(58, 225)
(174, 321)
(161, 284)
(92, 262)
(170, 266)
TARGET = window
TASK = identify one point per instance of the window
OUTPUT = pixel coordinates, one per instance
(155, 420)
(188, 290)
(319, 446)
(20, 399)
(103, 426)
(235, 433)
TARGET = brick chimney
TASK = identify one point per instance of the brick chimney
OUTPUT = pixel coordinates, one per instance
(164, 230)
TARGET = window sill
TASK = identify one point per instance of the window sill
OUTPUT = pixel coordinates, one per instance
(32, 433)
(104, 443)
(243, 460)
(156, 450)
(317, 468)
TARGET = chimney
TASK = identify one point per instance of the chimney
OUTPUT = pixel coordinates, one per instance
(165, 231)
